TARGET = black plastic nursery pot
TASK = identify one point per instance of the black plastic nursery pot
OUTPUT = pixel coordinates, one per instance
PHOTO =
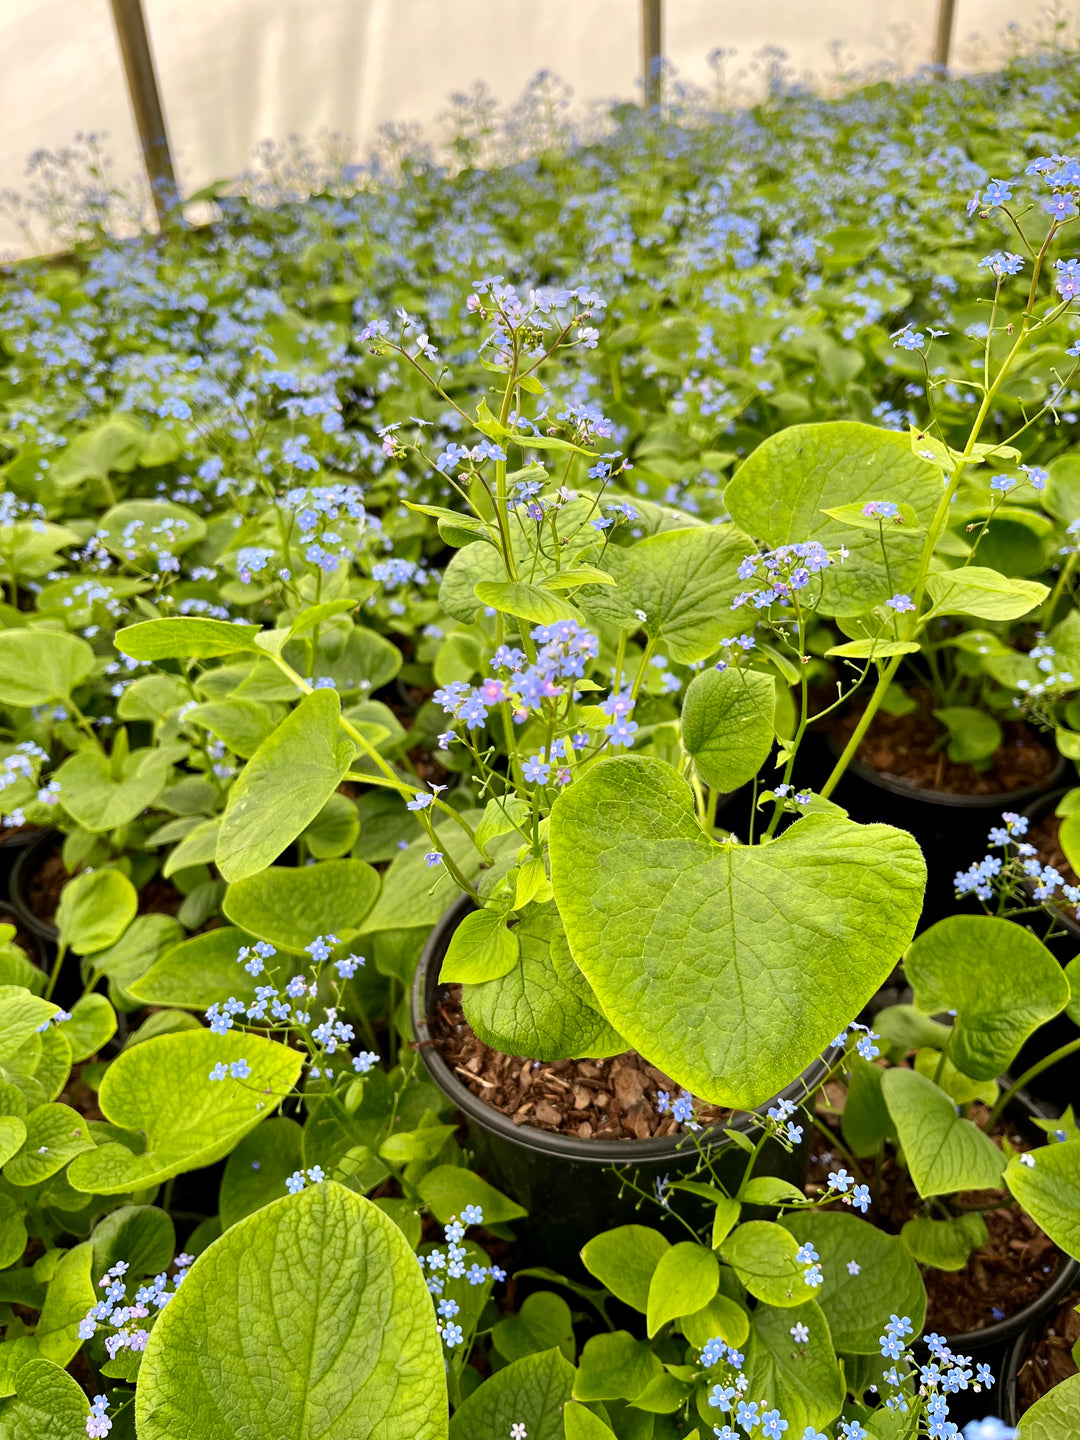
(29, 861)
(1035, 813)
(12, 846)
(1022, 1346)
(951, 829)
(571, 1186)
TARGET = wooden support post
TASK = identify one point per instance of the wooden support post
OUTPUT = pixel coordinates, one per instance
(946, 19)
(146, 104)
(652, 48)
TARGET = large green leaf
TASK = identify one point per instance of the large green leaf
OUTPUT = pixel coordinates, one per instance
(289, 908)
(69, 1296)
(624, 1260)
(730, 967)
(1000, 979)
(100, 800)
(162, 1090)
(192, 637)
(727, 725)
(21, 1015)
(543, 1007)
(1048, 1187)
(1056, 1415)
(763, 1256)
(531, 1392)
(283, 786)
(48, 1405)
(143, 1236)
(887, 1281)
(95, 909)
(41, 665)
(199, 972)
(975, 590)
(944, 1151)
(682, 581)
(801, 1381)
(780, 493)
(684, 1281)
(54, 1135)
(308, 1320)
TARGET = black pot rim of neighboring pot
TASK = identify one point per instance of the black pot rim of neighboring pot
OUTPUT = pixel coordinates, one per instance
(1039, 808)
(571, 1147)
(896, 785)
(1018, 1353)
(1025, 1319)
(20, 872)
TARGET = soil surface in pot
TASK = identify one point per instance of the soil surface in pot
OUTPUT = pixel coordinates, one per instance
(1010, 1272)
(612, 1099)
(1044, 836)
(911, 747)
(1050, 1359)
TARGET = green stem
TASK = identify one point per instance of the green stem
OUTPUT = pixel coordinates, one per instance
(1046, 619)
(1025, 1079)
(54, 976)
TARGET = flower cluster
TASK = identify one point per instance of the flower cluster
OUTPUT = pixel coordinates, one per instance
(114, 1310)
(1015, 871)
(443, 1267)
(782, 573)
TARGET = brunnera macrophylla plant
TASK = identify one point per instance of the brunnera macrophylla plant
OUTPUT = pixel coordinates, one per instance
(596, 874)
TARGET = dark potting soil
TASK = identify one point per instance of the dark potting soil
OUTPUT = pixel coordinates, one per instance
(159, 897)
(1044, 836)
(1010, 1271)
(1050, 1360)
(612, 1099)
(911, 748)
(44, 884)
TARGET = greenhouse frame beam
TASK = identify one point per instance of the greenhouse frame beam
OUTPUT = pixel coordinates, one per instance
(146, 105)
(946, 23)
(652, 48)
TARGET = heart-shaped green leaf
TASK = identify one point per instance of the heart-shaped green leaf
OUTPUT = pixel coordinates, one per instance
(162, 1089)
(801, 1380)
(682, 581)
(685, 1279)
(730, 967)
(1056, 1415)
(95, 909)
(143, 1236)
(289, 908)
(1000, 979)
(284, 786)
(41, 665)
(54, 1135)
(412, 896)
(727, 725)
(781, 492)
(256, 1171)
(945, 1152)
(762, 1254)
(481, 948)
(12, 1136)
(21, 1015)
(614, 1367)
(975, 590)
(857, 1306)
(48, 1405)
(531, 1392)
(69, 1296)
(99, 799)
(199, 972)
(624, 1260)
(543, 1007)
(91, 1025)
(1047, 1184)
(308, 1319)
(192, 638)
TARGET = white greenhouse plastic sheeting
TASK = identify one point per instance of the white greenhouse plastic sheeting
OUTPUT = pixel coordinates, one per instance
(235, 72)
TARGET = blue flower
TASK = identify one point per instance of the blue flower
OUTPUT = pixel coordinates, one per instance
(452, 1335)
(772, 1427)
(860, 1198)
(239, 1069)
(472, 1215)
(296, 1182)
(900, 603)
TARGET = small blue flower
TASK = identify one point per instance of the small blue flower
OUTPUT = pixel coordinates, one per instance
(472, 1215)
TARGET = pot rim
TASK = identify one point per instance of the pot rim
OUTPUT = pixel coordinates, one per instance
(1025, 1319)
(1018, 1353)
(571, 1147)
(21, 868)
(946, 798)
(1038, 810)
